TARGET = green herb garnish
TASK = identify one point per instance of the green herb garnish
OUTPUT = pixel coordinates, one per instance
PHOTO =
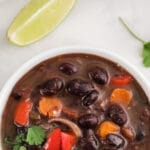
(20, 138)
(35, 135)
(146, 45)
(22, 148)
(16, 147)
(17, 143)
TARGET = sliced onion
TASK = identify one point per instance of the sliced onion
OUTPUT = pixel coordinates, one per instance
(72, 125)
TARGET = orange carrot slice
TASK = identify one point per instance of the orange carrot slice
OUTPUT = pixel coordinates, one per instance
(106, 128)
(50, 106)
(121, 96)
(22, 112)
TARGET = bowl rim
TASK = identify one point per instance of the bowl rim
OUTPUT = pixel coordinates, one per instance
(26, 67)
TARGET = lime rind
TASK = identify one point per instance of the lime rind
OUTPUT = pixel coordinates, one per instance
(37, 19)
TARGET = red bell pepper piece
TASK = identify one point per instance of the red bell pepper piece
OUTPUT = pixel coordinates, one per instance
(68, 140)
(58, 140)
(22, 112)
(121, 80)
(54, 140)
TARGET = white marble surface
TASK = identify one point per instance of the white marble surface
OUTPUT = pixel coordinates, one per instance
(91, 23)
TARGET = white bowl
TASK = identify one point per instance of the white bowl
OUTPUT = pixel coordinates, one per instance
(5, 92)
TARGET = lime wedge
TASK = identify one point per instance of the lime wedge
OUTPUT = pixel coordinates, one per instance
(37, 19)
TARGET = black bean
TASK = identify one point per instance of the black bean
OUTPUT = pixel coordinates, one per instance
(99, 75)
(68, 68)
(89, 141)
(88, 121)
(117, 114)
(79, 87)
(140, 133)
(17, 95)
(115, 140)
(22, 93)
(51, 87)
(90, 98)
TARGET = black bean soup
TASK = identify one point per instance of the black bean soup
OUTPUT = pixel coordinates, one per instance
(77, 102)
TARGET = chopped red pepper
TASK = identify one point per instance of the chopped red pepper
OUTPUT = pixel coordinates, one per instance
(54, 140)
(22, 112)
(68, 140)
(58, 140)
(121, 80)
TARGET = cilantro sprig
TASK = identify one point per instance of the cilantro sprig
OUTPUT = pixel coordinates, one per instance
(34, 136)
(17, 143)
(146, 44)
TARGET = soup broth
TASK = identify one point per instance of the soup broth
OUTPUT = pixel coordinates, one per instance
(77, 102)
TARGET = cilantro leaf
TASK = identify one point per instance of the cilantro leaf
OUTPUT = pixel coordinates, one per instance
(146, 45)
(35, 135)
(20, 138)
(22, 148)
(16, 147)
(146, 54)
(18, 141)
(16, 144)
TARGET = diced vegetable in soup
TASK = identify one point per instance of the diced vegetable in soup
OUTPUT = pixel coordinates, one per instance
(77, 102)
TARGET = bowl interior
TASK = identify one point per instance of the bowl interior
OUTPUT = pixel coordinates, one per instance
(4, 94)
